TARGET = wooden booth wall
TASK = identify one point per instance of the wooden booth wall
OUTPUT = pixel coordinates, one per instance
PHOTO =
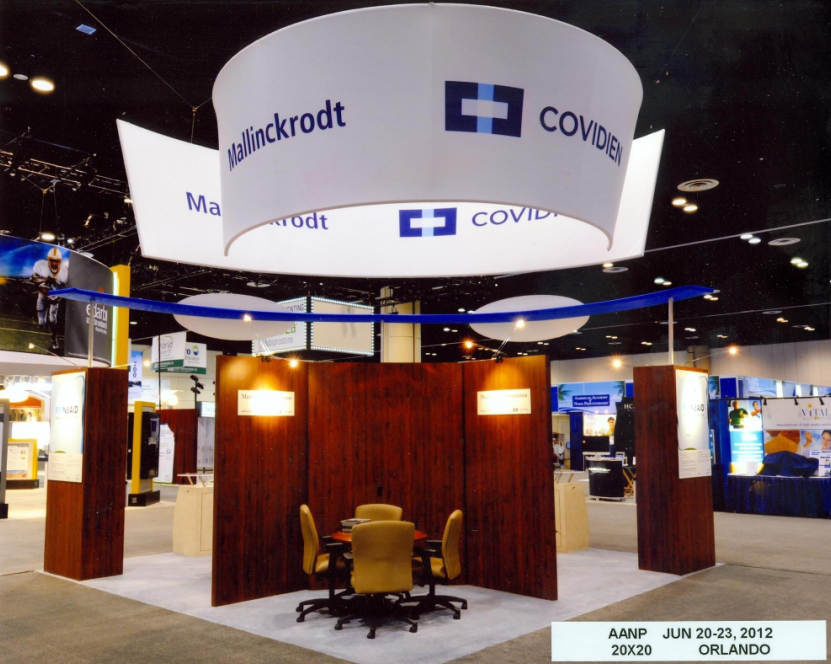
(511, 537)
(406, 434)
(260, 482)
(386, 433)
(675, 517)
(183, 423)
(85, 521)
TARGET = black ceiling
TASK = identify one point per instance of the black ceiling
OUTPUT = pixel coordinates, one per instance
(741, 88)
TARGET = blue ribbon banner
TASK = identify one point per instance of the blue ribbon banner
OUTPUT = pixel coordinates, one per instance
(593, 309)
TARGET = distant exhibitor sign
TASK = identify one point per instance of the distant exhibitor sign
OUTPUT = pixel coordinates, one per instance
(504, 402)
(265, 403)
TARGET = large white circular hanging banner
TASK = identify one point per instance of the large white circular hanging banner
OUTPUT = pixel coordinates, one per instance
(233, 329)
(424, 110)
(539, 330)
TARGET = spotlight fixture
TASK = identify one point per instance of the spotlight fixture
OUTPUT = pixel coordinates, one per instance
(764, 401)
(293, 363)
(733, 350)
(608, 265)
(746, 236)
(520, 324)
(31, 346)
(128, 200)
(146, 363)
(132, 322)
(468, 344)
(70, 240)
(690, 208)
(454, 330)
(781, 320)
(721, 336)
(616, 363)
(754, 240)
(802, 265)
(809, 329)
(689, 329)
(659, 280)
(679, 201)
(47, 237)
(447, 329)
(579, 348)
(713, 299)
(796, 260)
(4, 71)
(646, 343)
(43, 85)
(246, 318)
(821, 402)
(667, 283)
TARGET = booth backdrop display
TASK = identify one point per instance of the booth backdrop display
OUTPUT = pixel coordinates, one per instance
(798, 425)
(66, 446)
(27, 315)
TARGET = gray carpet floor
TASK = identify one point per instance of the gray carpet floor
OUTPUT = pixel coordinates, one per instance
(775, 569)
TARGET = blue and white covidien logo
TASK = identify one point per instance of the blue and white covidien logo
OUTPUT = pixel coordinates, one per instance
(483, 108)
(427, 223)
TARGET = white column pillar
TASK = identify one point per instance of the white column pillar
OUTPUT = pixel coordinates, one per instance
(400, 342)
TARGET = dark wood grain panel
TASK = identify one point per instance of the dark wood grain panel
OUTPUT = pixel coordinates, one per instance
(386, 433)
(509, 523)
(260, 473)
(184, 425)
(675, 517)
(85, 522)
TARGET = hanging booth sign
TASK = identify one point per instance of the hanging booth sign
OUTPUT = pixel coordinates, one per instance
(445, 157)
(691, 392)
(173, 353)
(66, 445)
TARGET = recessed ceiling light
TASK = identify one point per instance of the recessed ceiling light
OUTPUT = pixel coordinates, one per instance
(539, 343)
(713, 299)
(614, 343)
(615, 270)
(754, 240)
(608, 265)
(257, 284)
(796, 259)
(721, 336)
(772, 312)
(646, 343)
(699, 184)
(679, 201)
(132, 322)
(667, 283)
(129, 201)
(689, 329)
(781, 320)
(708, 296)
(21, 77)
(47, 237)
(461, 310)
(70, 240)
(690, 208)
(454, 330)
(86, 29)
(41, 84)
(4, 70)
(746, 236)
(545, 343)
(659, 280)
(447, 329)
(695, 337)
(784, 241)
(808, 329)
(802, 265)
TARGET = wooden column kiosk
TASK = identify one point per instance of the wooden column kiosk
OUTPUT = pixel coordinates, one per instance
(85, 509)
(675, 494)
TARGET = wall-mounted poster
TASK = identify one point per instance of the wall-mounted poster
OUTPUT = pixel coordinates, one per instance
(22, 462)
(599, 424)
(691, 390)
(800, 425)
(66, 447)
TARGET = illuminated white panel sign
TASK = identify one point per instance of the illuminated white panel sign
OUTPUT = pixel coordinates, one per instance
(265, 403)
(503, 402)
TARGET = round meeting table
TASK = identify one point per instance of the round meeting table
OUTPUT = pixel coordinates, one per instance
(342, 536)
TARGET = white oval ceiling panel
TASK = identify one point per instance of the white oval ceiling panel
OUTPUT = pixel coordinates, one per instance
(233, 329)
(532, 330)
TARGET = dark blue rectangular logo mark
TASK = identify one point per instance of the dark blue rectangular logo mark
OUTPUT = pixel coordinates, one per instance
(483, 108)
(427, 223)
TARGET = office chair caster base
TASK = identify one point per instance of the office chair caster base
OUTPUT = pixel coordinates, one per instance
(371, 634)
(339, 627)
(413, 629)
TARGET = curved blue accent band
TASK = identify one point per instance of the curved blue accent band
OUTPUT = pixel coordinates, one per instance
(593, 309)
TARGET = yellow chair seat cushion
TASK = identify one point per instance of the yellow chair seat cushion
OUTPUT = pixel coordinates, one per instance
(322, 564)
(436, 564)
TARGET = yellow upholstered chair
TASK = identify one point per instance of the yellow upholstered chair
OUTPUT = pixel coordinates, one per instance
(379, 512)
(327, 565)
(440, 561)
(381, 565)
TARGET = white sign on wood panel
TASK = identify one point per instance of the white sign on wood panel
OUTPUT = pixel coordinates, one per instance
(265, 403)
(503, 402)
